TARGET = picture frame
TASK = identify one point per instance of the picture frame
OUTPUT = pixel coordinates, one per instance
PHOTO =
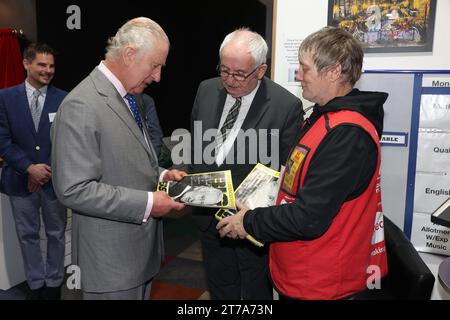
(386, 25)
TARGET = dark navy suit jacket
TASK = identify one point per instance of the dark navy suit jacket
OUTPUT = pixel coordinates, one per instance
(20, 144)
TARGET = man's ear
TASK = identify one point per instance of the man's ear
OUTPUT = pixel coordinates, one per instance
(128, 55)
(335, 72)
(262, 71)
(26, 64)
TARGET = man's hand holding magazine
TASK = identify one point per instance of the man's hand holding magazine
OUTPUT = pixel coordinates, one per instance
(233, 226)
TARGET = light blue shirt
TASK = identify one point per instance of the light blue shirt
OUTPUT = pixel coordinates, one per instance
(30, 91)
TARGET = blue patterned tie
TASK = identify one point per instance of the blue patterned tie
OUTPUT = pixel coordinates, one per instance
(134, 110)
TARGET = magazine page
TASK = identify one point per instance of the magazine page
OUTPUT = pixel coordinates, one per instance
(441, 215)
(259, 189)
(210, 189)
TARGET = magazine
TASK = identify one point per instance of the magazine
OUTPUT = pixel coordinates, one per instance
(210, 189)
(441, 215)
(259, 189)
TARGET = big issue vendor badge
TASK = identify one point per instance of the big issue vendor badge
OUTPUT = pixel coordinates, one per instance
(292, 171)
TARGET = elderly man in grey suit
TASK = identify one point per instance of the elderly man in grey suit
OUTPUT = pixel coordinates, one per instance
(106, 170)
(242, 98)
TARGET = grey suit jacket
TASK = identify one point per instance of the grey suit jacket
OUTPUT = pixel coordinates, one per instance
(273, 107)
(103, 169)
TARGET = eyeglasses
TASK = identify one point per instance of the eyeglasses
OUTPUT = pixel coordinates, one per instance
(224, 74)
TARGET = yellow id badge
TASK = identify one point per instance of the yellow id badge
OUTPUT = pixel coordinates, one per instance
(293, 166)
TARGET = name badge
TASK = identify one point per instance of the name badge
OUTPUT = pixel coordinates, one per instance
(51, 116)
(292, 170)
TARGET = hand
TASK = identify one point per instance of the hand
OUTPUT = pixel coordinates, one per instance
(33, 186)
(174, 174)
(39, 173)
(241, 207)
(233, 226)
(163, 204)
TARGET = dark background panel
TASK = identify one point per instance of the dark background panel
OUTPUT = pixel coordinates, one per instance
(195, 29)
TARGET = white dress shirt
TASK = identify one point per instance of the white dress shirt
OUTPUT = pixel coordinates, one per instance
(226, 146)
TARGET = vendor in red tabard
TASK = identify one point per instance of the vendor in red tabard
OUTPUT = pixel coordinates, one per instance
(324, 244)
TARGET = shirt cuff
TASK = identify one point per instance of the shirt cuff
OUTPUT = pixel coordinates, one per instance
(149, 207)
(161, 176)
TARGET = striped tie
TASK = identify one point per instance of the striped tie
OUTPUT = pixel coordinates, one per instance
(35, 108)
(230, 120)
(134, 110)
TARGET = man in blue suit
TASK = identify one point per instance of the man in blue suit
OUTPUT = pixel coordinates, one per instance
(26, 114)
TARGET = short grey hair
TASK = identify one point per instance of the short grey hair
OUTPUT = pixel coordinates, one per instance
(140, 33)
(331, 46)
(256, 44)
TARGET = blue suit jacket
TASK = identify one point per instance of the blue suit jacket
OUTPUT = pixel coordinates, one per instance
(20, 144)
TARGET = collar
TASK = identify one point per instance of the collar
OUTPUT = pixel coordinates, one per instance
(30, 89)
(113, 79)
(249, 97)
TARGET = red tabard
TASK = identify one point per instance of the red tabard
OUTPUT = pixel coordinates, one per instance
(351, 255)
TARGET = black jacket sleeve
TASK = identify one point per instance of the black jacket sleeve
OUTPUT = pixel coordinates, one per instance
(289, 131)
(340, 170)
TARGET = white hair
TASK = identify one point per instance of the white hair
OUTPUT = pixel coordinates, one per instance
(140, 33)
(256, 44)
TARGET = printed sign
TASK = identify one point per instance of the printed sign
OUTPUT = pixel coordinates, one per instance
(436, 81)
(433, 154)
(398, 139)
(429, 237)
(431, 190)
(435, 111)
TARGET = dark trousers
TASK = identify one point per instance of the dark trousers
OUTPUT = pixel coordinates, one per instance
(235, 269)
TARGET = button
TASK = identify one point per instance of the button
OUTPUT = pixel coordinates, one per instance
(38, 148)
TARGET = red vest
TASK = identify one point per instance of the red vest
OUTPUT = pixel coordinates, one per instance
(351, 253)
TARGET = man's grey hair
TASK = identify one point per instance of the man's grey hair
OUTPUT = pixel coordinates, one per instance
(139, 33)
(256, 44)
(331, 46)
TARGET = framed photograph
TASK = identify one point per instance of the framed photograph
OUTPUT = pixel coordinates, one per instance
(386, 25)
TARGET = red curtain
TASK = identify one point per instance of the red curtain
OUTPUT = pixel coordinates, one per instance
(11, 68)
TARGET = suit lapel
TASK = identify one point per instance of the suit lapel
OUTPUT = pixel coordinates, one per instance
(258, 108)
(119, 107)
(216, 108)
(48, 104)
(24, 108)
(116, 103)
(154, 156)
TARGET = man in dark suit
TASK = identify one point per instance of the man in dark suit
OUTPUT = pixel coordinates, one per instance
(26, 114)
(240, 99)
(147, 108)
